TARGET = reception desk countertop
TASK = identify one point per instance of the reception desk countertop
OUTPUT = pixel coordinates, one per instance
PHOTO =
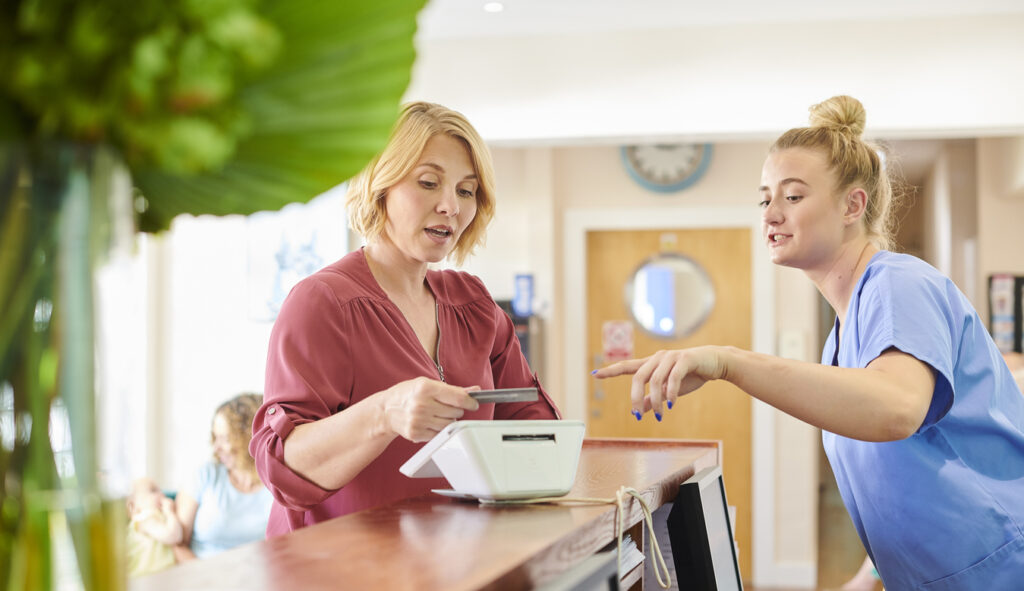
(432, 542)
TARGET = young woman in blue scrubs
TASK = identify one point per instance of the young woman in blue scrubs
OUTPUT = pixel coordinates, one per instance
(922, 421)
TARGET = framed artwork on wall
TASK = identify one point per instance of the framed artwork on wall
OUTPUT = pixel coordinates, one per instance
(286, 246)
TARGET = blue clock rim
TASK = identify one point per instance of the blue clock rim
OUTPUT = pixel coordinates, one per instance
(698, 172)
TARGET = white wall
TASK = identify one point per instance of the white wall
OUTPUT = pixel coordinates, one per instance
(122, 399)
(938, 217)
(215, 351)
(950, 203)
(212, 331)
(963, 186)
(797, 445)
(1000, 165)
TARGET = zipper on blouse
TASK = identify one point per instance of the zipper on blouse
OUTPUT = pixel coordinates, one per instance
(437, 351)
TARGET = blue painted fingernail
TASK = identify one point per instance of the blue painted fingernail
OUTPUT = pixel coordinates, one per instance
(593, 372)
(637, 415)
(657, 415)
(669, 404)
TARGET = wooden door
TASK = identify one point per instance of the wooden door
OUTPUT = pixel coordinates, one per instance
(719, 410)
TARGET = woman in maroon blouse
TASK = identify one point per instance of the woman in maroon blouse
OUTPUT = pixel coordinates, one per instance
(374, 354)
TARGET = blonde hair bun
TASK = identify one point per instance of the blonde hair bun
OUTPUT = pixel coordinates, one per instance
(841, 113)
(837, 125)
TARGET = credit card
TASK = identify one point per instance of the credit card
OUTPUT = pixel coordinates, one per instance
(505, 395)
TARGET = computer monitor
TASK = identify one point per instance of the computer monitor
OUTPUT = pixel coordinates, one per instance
(701, 535)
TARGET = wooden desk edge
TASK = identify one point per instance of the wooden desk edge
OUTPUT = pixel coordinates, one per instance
(599, 532)
(544, 564)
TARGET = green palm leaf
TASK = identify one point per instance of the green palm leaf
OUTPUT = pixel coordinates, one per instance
(318, 114)
(217, 107)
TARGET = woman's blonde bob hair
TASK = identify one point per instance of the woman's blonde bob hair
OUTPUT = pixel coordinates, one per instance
(418, 122)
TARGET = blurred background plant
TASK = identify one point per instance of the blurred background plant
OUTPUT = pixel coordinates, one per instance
(122, 114)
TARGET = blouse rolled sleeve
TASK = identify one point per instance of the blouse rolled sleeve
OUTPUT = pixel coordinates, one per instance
(305, 382)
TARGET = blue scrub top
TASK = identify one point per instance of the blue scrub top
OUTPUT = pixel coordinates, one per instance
(944, 508)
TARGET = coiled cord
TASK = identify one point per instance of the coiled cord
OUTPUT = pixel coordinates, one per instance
(619, 501)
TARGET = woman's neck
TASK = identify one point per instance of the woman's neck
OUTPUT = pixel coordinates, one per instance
(399, 277)
(244, 481)
(836, 284)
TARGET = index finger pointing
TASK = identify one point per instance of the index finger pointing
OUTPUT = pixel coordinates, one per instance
(627, 367)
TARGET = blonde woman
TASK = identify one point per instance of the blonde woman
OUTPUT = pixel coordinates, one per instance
(374, 354)
(920, 417)
(227, 505)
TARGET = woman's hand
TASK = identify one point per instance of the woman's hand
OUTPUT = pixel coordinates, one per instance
(886, 401)
(419, 408)
(669, 374)
(331, 451)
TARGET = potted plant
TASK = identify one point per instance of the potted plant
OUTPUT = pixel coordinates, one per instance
(116, 115)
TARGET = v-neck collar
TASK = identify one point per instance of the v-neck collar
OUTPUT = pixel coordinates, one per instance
(433, 285)
(853, 296)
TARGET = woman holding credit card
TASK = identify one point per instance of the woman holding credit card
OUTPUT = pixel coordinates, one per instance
(921, 420)
(374, 354)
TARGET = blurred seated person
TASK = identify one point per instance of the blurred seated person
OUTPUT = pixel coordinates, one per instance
(227, 505)
(375, 354)
(153, 529)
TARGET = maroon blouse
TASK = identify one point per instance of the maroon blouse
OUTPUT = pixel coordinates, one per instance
(337, 340)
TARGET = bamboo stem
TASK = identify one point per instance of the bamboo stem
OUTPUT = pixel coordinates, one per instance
(54, 522)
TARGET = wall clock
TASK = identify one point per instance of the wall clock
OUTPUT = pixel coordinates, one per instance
(666, 168)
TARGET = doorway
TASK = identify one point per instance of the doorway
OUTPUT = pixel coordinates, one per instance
(719, 410)
(572, 357)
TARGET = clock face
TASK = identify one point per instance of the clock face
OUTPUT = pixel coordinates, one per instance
(667, 167)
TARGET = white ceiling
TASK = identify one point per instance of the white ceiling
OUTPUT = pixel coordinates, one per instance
(448, 19)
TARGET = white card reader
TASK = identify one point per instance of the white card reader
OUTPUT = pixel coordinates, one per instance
(503, 459)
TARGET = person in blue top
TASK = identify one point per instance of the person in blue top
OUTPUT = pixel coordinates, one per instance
(227, 505)
(922, 421)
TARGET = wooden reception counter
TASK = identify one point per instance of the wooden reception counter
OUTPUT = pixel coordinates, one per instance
(431, 542)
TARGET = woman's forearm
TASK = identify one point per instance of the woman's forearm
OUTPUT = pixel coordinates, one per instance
(332, 451)
(886, 401)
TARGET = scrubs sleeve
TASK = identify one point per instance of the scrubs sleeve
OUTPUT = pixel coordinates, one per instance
(910, 313)
(307, 379)
(510, 370)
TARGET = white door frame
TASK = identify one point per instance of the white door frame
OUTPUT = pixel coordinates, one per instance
(577, 222)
